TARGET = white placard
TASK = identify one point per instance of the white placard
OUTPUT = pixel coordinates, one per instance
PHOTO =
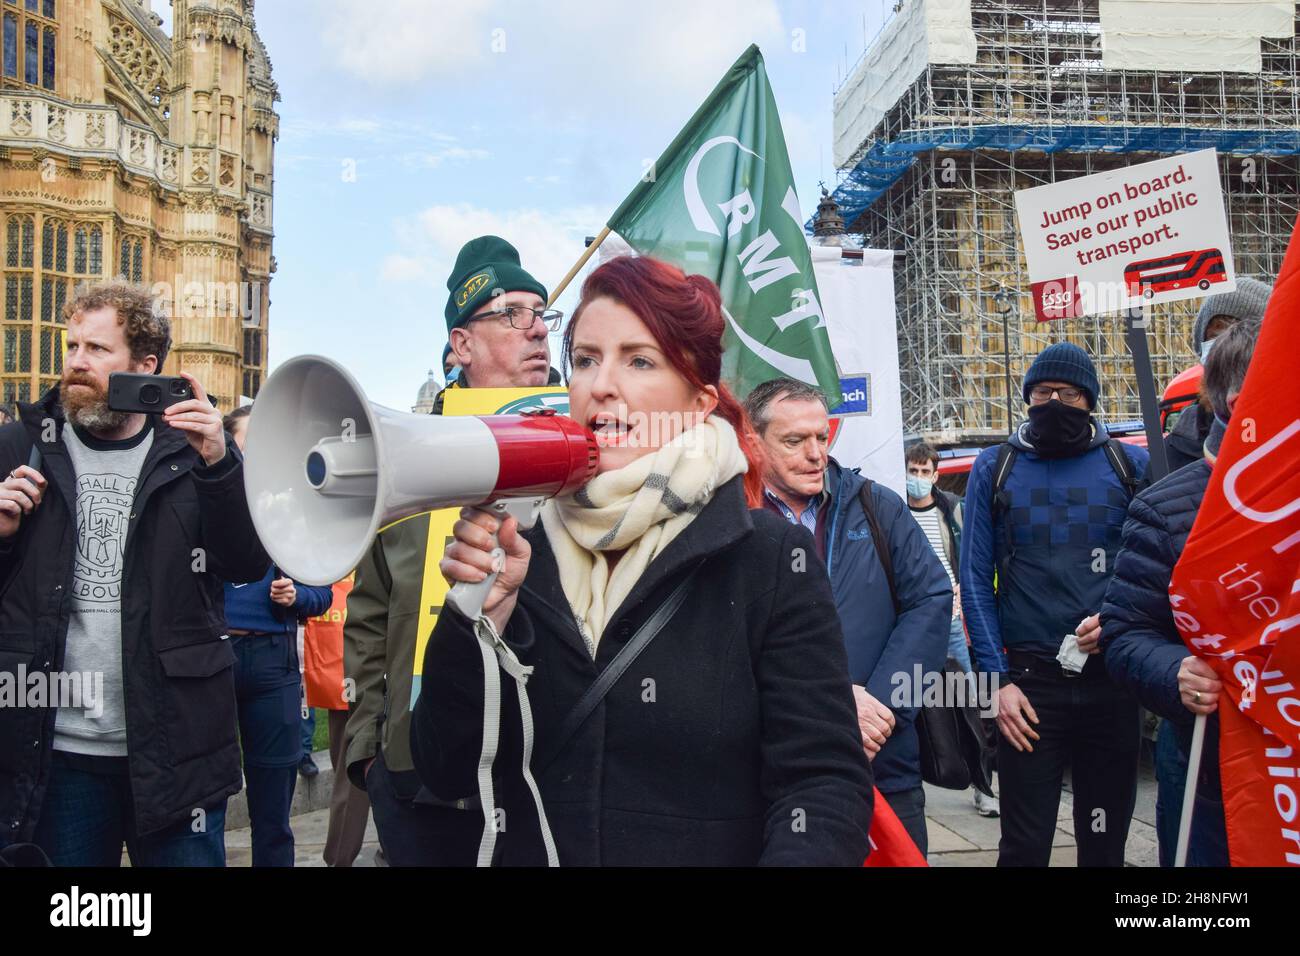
(857, 299)
(1154, 232)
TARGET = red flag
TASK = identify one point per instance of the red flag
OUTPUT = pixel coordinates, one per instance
(890, 843)
(1236, 591)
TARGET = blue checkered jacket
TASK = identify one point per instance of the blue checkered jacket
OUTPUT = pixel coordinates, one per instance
(1064, 522)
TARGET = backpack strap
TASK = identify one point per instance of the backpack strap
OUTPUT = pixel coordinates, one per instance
(1122, 466)
(880, 541)
(1001, 472)
(1001, 508)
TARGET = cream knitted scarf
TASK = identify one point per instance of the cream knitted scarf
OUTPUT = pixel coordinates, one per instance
(638, 509)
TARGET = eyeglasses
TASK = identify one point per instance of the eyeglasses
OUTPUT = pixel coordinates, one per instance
(1043, 393)
(521, 317)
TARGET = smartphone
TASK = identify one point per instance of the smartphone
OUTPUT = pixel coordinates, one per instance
(150, 394)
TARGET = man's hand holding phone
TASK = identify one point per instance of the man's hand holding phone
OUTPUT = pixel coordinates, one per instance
(200, 421)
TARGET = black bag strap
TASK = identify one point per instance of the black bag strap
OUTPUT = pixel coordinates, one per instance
(881, 542)
(1001, 508)
(1123, 467)
(615, 669)
(1001, 472)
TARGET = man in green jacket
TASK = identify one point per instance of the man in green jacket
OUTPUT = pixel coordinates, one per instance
(497, 324)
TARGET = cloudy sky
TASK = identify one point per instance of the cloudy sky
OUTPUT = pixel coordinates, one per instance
(407, 131)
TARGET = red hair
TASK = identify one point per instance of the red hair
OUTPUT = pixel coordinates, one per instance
(684, 314)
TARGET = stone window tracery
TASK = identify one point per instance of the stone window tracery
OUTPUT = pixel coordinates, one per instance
(133, 52)
(20, 263)
(30, 39)
(130, 262)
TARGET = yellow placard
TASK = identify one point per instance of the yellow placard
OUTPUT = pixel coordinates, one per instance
(467, 401)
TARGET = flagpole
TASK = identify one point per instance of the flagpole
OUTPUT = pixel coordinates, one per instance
(1189, 790)
(577, 266)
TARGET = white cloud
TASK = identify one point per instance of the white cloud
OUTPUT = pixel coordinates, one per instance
(640, 50)
(401, 41)
(549, 243)
(672, 45)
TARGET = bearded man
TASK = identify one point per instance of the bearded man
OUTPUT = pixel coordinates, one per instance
(116, 532)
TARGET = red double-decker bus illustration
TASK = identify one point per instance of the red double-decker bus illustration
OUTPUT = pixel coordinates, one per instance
(1182, 270)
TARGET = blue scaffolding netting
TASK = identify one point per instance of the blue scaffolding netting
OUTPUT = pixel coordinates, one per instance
(886, 162)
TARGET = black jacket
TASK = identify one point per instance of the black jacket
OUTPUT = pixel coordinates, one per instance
(1185, 443)
(951, 507)
(732, 740)
(177, 669)
(1139, 640)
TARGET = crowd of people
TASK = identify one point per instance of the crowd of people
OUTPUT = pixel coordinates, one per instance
(702, 645)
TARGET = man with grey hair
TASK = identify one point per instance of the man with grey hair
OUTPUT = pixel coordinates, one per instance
(892, 594)
(1143, 649)
(1217, 314)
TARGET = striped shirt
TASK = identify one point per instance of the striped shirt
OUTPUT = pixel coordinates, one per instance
(929, 519)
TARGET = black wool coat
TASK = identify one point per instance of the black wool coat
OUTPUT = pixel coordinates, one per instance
(732, 740)
(177, 667)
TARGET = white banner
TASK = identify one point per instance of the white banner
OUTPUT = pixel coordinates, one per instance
(1153, 232)
(857, 298)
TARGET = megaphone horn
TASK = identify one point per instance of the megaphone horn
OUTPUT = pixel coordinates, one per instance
(325, 469)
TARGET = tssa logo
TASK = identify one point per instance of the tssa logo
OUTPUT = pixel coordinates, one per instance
(856, 393)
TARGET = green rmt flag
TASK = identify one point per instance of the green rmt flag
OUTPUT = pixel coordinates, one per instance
(720, 202)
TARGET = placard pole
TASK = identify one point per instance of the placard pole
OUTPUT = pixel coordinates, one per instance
(1135, 333)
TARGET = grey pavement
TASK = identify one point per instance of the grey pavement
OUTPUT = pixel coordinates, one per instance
(961, 837)
(309, 842)
(309, 818)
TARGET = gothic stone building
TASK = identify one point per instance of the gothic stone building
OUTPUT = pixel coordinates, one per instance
(125, 152)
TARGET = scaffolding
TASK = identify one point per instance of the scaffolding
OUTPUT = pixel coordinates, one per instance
(934, 180)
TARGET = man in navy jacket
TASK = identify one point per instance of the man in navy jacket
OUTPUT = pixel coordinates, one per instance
(1141, 644)
(886, 648)
(1034, 568)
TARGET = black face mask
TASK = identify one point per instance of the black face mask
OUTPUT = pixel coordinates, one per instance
(1058, 430)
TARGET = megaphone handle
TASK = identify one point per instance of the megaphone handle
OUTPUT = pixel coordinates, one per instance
(468, 598)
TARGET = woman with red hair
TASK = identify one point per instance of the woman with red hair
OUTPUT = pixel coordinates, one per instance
(732, 738)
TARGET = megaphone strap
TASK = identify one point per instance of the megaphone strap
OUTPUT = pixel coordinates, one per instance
(486, 757)
(494, 650)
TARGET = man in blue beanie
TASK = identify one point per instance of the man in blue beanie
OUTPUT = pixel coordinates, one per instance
(1044, 513)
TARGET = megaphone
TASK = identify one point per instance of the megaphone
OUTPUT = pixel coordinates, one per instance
(325, 469)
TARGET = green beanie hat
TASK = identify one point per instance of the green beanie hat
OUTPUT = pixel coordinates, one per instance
(485, 268)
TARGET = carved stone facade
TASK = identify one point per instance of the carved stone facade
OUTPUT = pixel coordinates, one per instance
(125, 152)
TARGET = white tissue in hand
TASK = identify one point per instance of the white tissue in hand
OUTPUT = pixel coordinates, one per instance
(1070, 657)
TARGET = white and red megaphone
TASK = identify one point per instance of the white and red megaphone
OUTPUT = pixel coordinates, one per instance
(326, 469)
